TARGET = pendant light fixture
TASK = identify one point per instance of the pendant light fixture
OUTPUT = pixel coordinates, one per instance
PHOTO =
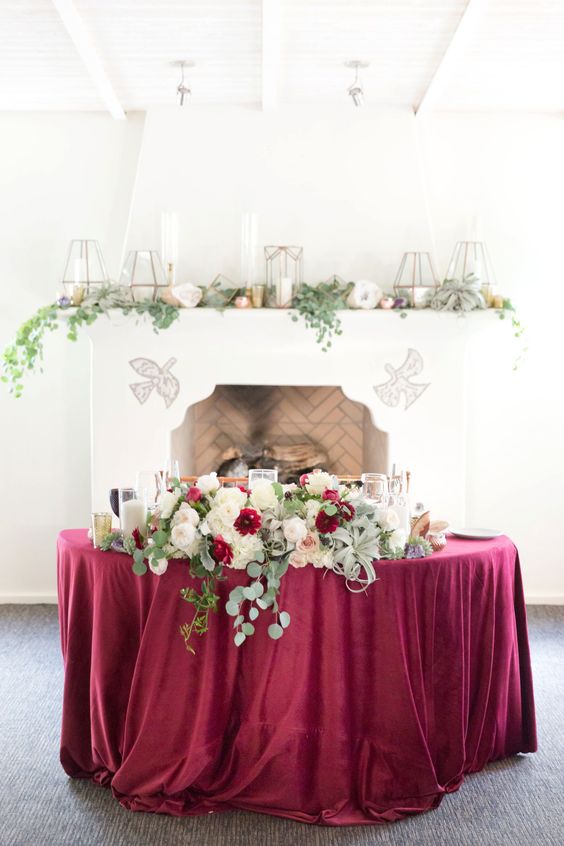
(356, 91)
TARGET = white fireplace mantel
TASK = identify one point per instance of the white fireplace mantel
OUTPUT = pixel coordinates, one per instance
(209, 348)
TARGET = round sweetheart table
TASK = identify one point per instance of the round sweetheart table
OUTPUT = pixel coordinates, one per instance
(371, 707)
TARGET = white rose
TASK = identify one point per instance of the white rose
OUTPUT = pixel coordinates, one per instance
(294, 529)
(183, 536)
(231, 496)
(158, 565)
(186, 514)
(167, 503)
(208, 484)
(204, 528)
(262, 495)
(389, 520)
(221, 517)
(397, 539)
(318, 482)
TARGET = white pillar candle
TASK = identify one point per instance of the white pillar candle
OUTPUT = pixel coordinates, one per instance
(132, 516)
(80, 270)
(284, 292)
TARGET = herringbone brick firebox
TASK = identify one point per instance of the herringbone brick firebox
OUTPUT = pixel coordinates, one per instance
(248, 418)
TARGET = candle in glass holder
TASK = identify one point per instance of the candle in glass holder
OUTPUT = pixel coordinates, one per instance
(284, 291)
(132, 515)
(101, 526)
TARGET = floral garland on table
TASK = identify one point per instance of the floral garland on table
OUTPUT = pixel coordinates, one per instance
(263, 531)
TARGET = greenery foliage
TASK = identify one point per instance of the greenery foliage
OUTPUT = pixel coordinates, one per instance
(26, 353)
(319, 305)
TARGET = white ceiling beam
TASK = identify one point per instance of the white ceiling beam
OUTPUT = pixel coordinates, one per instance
(270, 52)
(84, 44)
(452, 55)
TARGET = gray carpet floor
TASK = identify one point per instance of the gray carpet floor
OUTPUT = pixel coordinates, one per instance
(516, 801)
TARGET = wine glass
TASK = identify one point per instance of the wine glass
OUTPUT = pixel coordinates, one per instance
(262, 473)
(147, 485)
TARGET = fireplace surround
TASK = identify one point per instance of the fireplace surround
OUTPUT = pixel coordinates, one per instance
(406, 383)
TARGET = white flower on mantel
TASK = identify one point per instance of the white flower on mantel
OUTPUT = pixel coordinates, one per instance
(158, 566)
(318, 481)
(365, 294)
(208, 484)
(262, 495)
(166, 503)
(294, 529)
(188, 295)
(186, 514)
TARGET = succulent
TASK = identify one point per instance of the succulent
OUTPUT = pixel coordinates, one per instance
(456, 295)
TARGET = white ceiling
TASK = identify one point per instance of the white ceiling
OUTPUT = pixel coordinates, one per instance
(512, 57)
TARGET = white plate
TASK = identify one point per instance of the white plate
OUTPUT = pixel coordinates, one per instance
(475, 534)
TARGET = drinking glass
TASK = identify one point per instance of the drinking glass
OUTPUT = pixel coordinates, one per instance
(147, 486)
(101, 526)
(260, 473)
(375, 488)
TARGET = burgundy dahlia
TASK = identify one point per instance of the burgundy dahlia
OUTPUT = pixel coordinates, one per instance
(347, 511)
(326, 523)
(248, 522)
(136, 535)
(221, 551)
(194, 494)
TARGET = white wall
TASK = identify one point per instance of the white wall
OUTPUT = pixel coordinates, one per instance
(346, 185)
(61, 177)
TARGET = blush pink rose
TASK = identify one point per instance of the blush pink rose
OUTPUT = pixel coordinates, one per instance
(308, 545)
(297, 559)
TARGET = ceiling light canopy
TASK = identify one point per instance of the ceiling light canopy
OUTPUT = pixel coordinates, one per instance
(356, 91)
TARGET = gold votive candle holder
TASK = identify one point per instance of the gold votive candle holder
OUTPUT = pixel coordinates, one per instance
(101, 526)
(77, 294)
(257, 295)
(498, 301)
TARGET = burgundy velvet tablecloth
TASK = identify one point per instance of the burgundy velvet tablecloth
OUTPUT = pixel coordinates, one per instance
(369, 708)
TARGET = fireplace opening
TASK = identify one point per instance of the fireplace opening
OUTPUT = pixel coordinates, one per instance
(292, 428)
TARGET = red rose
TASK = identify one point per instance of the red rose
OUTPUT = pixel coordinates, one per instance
(329, 493)
(347, 511)
(136, 535)
(326, 523)
(221, 551)
(304, 479)
(248, 522)
(243, 489)
(194, 494)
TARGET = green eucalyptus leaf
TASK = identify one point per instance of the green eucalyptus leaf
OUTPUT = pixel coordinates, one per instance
(284, 619)
(236, 594)
(330, 509)
(160, 538)
(253, 613)
(254, 570)
(278, 490)
(262, 603)
(139, 568)
(238, 620)
(248, 629)
(275, 631)
(239, 638)
(232, 608)
(258, 589)
(248, 593)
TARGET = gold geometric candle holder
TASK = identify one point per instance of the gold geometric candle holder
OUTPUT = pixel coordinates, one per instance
(416, 279)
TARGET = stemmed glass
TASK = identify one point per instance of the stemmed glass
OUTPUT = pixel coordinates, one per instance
(262, 473)
(165, 477)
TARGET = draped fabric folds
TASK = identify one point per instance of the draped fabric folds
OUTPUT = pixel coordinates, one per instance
(371, 706)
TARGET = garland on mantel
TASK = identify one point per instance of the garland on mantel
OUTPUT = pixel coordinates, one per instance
(318, 305)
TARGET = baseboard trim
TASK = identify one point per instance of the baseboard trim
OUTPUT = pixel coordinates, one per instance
(544, 598)
(28, 598)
